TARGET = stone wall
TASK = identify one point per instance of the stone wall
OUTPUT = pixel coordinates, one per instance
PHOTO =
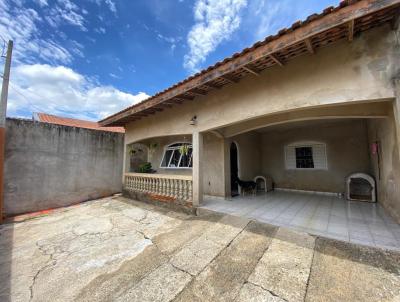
(50, 166)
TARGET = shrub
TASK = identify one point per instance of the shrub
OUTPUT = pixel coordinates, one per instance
(145, 168)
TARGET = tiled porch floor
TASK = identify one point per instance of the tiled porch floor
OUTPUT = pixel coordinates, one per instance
(329, 216)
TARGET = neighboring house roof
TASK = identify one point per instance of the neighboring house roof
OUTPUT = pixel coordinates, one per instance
(348, 19)
(66, 121)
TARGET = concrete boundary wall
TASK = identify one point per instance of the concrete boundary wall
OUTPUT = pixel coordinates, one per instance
(50, 166)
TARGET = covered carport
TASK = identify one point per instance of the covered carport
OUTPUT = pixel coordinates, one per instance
(328, 166)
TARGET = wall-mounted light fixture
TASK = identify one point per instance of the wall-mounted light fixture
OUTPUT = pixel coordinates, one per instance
(193, 121)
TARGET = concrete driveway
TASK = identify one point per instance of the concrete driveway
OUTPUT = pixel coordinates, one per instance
(110, 250)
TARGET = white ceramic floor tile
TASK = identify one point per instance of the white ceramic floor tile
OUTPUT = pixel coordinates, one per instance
(361, 235)
(363, 241)
(385, 241)
(324, 215)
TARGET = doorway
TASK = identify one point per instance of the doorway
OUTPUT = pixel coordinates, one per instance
(234, 169)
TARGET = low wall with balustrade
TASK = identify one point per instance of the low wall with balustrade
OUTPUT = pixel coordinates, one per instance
(175, 190)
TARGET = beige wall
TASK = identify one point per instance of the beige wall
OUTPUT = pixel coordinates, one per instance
(249, 153)
(342, 73)
(156, 157)
(346, 147)
(213, 159)
(383, 132)
(137, 158)
(213, 165)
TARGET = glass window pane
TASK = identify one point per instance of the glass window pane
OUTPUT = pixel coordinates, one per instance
(185, 161)
(166, 158)
(175, 159)
(191, 157)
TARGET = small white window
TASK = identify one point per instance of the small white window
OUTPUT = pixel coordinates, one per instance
(177, 156)
(306, 156)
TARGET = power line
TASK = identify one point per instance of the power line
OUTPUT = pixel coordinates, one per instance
(28, 98)
(38, 109)
(4, 46)
(25, 97)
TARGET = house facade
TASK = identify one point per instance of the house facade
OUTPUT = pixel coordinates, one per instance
(313, 108)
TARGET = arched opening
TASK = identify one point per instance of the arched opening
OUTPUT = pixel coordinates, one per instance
(137, 155)
(261, 184)
(361, 187)
(234, 169)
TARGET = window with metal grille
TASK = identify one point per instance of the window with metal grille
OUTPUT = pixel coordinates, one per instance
(306, 155)
(304, 158)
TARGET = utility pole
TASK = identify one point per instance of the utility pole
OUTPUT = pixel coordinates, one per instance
(3, 112)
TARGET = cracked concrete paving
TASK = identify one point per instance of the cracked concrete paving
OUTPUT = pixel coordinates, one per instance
(285, 267)
(115, 249)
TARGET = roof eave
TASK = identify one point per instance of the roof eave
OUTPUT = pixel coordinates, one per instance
(300, 32)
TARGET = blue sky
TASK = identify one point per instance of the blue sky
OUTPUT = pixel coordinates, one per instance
(91, 58)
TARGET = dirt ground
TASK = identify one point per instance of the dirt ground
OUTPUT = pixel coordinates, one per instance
(114, 249)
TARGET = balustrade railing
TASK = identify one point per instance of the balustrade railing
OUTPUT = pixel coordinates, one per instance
(174, 186)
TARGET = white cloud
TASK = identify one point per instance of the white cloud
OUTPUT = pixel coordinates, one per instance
(100, 30)
(22, 25)
(272, 16)
(42, 3)
(216, 20)
(60, 90)
(111, 6)
(68, 12)
(268, 17)
(113, 75)
(172, 41)
(54, 87)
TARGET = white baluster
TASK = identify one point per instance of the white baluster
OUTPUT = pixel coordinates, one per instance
(176, 191)
(162, 186)
(190, 191)
(158, 188)
(169, 191)
(154, 186)
(180, 189)
(185, 188)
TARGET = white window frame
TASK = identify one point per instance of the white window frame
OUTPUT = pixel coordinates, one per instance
(175, 149)
(312, 145)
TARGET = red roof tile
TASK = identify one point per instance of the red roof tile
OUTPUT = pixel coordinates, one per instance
(65, 121)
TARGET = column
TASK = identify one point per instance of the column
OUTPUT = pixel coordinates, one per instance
(197, 141)
(126, 161)
(396, 110)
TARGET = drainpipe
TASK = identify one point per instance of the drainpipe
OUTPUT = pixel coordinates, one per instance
(3, 111)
